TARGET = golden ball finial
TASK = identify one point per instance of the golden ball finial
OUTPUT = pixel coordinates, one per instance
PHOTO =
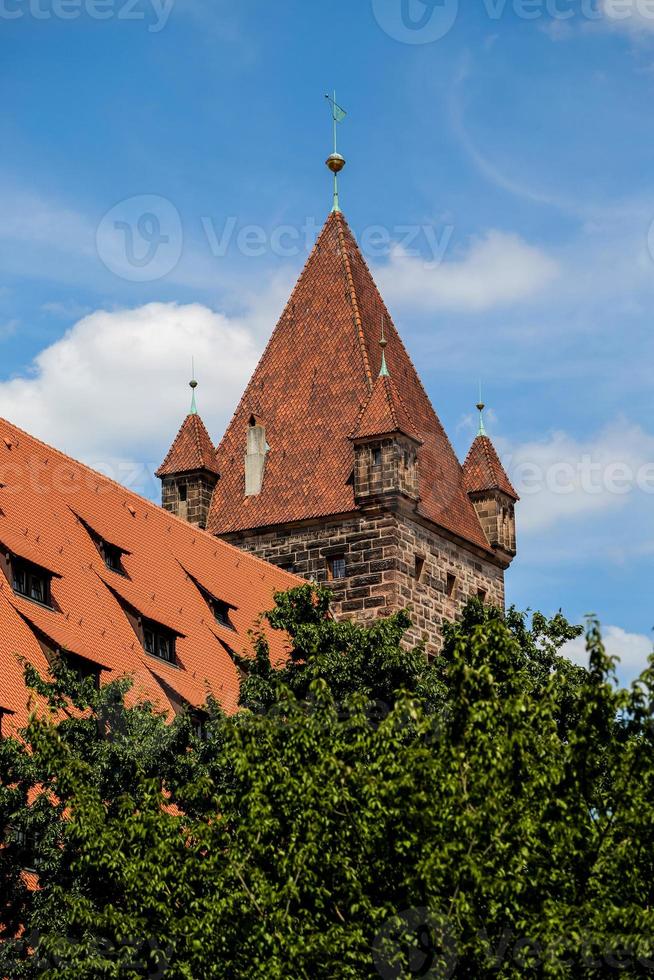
(335, 162)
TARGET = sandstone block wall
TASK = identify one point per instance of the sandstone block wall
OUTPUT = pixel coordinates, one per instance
(391, 563)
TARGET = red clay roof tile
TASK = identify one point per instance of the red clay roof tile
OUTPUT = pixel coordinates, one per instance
(483, 470)
(384, 413)
(309, 389)
(191, 450)
(42, 493)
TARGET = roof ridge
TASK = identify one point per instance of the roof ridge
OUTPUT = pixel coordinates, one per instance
(340, 221)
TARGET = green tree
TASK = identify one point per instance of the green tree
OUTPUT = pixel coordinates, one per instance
(366, 814)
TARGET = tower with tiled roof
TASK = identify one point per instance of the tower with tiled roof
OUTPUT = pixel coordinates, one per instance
(336, 466)
(491, 492)
(189, 472)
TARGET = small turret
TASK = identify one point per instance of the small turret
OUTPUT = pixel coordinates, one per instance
(491, 493)
(385, 443)
(189, 472)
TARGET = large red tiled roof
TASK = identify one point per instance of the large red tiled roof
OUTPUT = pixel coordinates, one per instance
(50, 507)
(192, 449)
(384, 413)
(483, 470)
(309, 389)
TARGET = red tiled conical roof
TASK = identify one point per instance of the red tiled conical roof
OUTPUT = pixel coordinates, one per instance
(192, 449)
(483, 470)
(384, 413)
(309, 389)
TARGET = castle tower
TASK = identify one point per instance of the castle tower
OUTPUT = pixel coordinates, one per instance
(189, 472)
(335, 465)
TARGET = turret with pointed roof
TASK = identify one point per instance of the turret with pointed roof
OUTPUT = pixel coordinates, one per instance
(189, 472)
(491, 492)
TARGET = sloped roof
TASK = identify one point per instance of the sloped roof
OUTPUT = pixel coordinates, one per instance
(42, 492)
(384, 413)
(309, 388)
(484, 471)
(191, 450)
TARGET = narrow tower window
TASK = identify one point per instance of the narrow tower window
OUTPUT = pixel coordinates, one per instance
(419, 568)
(450, 585)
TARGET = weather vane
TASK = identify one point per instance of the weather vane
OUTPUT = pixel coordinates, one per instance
(335, 161)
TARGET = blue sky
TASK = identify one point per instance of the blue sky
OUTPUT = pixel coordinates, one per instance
(499, 177)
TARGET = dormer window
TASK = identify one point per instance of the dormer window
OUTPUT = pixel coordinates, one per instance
(31, 581)
(111, 554)
(220, 610)
(159, 641)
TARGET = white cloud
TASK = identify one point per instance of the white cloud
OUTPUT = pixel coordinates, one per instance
(633, 649)
(113, 390)
(560, 477)
(498, 269)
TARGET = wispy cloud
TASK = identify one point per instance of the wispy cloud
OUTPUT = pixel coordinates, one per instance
(496, 270)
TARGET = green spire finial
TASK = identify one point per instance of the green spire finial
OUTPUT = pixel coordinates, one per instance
(383, 343)
(480, 409)
(335, 161)
(193, 385)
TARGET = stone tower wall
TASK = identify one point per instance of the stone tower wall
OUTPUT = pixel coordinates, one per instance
(391, 563)
(198, 488)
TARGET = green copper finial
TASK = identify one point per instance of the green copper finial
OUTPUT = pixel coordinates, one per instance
(193, 385)
(480, 409)
(383, 343)
(335, 161)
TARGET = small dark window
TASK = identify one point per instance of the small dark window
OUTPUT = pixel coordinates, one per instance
(221, 613)
(336, 567)
(377, 456)
(159, 642)
(82, 668)
(420, 567)
(26, 843)
(183, 490)
(31, 581)
(482, 594)
(112, 557)
(451, 585)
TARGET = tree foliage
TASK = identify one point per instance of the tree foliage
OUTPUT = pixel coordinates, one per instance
(365, 814)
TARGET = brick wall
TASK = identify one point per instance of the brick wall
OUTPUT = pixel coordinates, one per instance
(391, 562)
(197, 488)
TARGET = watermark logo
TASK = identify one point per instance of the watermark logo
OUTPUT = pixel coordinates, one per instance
(415, 943)
(141, 238)
(416, 21)
(154, 13)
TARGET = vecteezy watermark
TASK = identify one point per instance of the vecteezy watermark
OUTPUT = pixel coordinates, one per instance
(583, 475)
(289, 240)
(141, 238)
(154, 13)
(416, 943)
(426, 21)
(416, 21)
(419, 942)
